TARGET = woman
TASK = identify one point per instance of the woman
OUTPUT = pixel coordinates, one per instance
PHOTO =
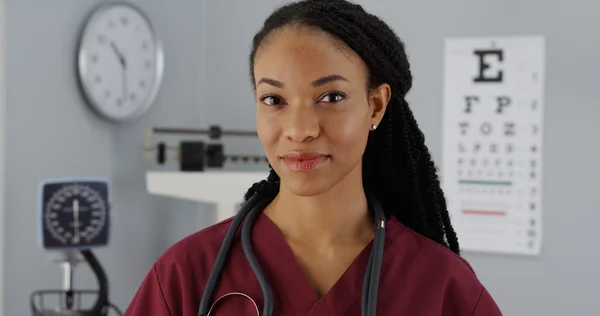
(330, 81)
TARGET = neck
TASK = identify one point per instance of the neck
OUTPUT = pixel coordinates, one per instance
(337, 217)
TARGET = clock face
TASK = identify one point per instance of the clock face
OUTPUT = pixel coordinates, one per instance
(120, 62)
(74, 215)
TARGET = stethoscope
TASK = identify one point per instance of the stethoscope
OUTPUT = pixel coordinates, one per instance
(251, 209)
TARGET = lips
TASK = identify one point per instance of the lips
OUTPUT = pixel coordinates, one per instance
(304, 161)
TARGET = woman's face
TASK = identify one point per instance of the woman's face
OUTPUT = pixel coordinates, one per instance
(314, 113)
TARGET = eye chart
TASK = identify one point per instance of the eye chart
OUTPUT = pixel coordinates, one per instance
(492, 162)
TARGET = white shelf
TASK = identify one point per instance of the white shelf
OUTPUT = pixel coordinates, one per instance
(222, 188)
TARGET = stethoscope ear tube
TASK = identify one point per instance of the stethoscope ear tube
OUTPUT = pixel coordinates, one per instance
(223, 253)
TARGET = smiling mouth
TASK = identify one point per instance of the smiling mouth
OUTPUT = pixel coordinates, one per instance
(304, 161)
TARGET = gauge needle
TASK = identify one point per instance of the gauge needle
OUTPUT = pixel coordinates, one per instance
(123, 62)
(76, 220)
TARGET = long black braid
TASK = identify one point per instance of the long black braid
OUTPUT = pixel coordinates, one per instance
(397, 166)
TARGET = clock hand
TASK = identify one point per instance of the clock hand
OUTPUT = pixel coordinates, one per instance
(119, 54)
(123, 67)
(123, 62)
(124, 85)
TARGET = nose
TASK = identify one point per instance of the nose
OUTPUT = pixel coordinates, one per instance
(301, 123)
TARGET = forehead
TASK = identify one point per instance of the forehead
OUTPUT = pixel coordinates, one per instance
(305, 54)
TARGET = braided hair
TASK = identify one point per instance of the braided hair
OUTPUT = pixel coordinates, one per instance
(397, 166)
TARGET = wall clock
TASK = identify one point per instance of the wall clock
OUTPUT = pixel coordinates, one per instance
(120, 62)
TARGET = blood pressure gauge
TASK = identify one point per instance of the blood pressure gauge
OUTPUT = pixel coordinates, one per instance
(74, 214)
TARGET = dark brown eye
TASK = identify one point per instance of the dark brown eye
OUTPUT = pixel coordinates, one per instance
(333, 97)
(271, 100)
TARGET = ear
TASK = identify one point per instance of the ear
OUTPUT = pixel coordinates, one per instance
(378, 101)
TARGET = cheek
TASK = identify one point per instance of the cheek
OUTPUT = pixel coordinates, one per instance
(349, 134)
(268, 132)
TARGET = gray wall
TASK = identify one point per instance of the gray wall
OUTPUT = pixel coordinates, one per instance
(51, 133)
(564, 280)
(47, 121)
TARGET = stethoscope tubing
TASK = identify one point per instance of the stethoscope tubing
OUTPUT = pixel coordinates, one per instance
(374, 270)
(223, 254)
(251, 209)
(253, 261)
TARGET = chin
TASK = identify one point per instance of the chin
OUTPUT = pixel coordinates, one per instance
(305, 187)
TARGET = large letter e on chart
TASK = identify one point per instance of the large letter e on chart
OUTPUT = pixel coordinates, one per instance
(486, 76)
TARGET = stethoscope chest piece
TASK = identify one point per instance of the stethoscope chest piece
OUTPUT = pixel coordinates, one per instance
(231, 294)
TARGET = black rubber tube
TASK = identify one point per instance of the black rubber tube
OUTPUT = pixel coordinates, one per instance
(367, 281)
(253, 261)
(377, 252)
(219, 263)
(102, 300)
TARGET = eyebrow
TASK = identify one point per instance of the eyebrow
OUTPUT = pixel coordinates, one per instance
(316, 83)
(328, 79)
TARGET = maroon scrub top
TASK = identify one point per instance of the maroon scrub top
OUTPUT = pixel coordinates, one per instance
(419, 277)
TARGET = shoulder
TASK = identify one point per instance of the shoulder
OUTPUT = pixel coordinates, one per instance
(422, 251)
(197, 250)
(447, 276)
(177, 278)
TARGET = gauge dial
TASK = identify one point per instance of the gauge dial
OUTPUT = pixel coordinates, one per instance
(75, 215)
